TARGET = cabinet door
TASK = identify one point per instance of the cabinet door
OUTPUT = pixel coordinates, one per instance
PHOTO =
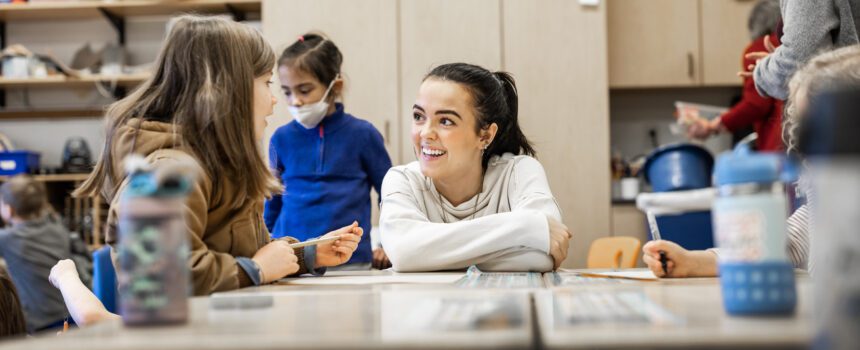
(434, 32)
(724, 38)
(629, 221)
(653, 43)
(366, 34)
(556, 50)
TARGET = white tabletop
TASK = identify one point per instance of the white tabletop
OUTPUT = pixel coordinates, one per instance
(382, 309)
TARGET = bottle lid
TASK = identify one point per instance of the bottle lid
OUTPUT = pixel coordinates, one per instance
(744, 166)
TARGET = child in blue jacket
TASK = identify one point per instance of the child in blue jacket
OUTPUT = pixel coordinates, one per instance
(327, 159)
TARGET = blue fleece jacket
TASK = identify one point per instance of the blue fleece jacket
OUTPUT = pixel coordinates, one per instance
(327, 173)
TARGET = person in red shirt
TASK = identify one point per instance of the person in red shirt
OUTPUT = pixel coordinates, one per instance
(764, 114)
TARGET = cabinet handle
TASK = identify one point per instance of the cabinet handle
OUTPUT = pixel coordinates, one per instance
(690, 65)
(386, 132)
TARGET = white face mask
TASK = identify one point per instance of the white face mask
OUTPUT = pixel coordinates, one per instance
(310, 115)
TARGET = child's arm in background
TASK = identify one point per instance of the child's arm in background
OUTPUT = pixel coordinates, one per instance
(273, 206)
(83, 305)
(376, 162)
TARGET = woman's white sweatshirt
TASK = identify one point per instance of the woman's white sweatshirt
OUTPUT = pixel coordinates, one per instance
(503, 228)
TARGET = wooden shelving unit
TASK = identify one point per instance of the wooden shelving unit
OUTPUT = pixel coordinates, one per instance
(93, 9)
(115, 12)
(55, 113)
(64, 81)
(77, 206)
(55, 177)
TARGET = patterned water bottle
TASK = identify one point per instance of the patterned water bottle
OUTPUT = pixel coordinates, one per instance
(153, 276)
(749, 214)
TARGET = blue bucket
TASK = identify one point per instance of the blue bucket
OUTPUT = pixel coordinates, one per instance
(679, 167)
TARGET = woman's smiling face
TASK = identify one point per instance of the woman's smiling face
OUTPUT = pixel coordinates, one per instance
(444, 128)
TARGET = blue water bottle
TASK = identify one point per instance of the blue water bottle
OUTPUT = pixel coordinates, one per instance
(749, 215)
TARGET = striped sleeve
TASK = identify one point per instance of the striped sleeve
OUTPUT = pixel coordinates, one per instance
(798, 238)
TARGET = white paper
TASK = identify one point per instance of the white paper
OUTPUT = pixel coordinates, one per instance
(400, 278)
(638, 274)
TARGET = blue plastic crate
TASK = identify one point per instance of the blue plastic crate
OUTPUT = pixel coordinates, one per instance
(17, 162)
(691, 230)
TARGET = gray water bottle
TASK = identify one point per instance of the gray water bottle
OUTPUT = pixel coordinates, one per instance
(829, 138)
(153, 276)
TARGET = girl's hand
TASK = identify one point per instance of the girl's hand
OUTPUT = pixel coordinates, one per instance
(559, 241)
(380, 259)
(704, 128)
(339, 251)
(679, 261)
(62, 271)
(758, 56)
(276, 260)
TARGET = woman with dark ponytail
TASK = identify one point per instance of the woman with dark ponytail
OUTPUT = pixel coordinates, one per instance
(476, 195)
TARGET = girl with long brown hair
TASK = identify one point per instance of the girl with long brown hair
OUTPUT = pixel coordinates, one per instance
(207, 101)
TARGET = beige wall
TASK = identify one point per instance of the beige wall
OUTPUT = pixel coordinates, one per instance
(555, 49)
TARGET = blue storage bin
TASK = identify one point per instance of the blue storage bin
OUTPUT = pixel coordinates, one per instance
(691, 230)
(679, 167)
(17, 162)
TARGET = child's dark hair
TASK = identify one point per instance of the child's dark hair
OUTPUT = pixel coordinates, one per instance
(496, 101)
(315, 54)
(12, 321)
(25, 195)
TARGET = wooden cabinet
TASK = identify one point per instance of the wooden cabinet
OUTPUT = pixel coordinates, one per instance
(366, 34)
(434, 32)
(676, 43)
(653, 43)
(724, 38)
(629, 221)
(556, 51)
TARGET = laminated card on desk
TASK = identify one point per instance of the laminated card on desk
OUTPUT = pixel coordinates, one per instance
(630, 274)
(396, 278)
(602, 307)
(475, 278)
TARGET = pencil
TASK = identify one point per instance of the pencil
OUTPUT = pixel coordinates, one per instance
(655, 233)
(314, 242)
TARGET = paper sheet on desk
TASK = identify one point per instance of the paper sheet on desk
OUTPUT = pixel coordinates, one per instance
(635, 274)
(406, 278)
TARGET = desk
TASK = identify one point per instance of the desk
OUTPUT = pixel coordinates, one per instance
(409, 315)
(701, 321)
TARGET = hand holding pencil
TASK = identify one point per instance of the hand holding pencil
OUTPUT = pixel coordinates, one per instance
(679, 262)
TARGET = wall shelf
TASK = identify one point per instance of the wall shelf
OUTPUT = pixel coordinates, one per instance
(65, 81)
(13, 113)
(55, 177)
(93, 9)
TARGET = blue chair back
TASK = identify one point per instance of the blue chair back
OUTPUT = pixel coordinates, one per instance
(104, 278)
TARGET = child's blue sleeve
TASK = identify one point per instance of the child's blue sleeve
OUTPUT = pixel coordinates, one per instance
(272, 208)
(375, 159)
